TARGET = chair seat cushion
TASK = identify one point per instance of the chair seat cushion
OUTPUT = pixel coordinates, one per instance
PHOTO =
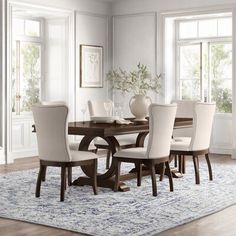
(136, 153)
(82, 155)
(75, 146)
(180, 144)
(122, 139)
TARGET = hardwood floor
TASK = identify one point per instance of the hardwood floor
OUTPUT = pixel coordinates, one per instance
(218, 224)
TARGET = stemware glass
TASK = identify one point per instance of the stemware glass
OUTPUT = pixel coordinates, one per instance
(116, 109)
(108, 107)
(83, 109)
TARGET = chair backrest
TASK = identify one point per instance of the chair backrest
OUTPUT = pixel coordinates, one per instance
(161, 123)
(51, 129)
(185, 108)
(202, 125)
(53, 103)
(96, 107)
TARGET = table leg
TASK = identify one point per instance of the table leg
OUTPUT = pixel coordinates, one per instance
(106, 179)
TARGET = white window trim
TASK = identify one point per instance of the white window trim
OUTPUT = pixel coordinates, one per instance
(191, 41)
(36, 40)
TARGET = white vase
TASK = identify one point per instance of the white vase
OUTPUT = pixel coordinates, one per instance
(139, 106)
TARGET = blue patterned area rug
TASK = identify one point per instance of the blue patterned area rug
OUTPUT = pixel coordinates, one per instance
(135, 212)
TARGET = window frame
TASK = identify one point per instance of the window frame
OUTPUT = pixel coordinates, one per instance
(35, 40)
(191, 41)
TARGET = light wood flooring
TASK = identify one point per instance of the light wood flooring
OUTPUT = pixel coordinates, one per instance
(218, 224)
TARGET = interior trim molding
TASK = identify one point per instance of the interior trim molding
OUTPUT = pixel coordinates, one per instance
(21, 154)
(223, 151)
(2, 156)
(220, 8)
(233, 154)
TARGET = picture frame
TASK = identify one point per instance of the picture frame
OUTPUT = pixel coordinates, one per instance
(91, 66)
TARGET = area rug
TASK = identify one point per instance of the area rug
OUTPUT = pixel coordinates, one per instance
(134, 213)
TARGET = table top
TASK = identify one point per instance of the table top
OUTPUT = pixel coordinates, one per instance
(106, 129)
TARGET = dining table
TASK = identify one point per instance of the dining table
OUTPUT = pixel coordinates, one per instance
(109, 131)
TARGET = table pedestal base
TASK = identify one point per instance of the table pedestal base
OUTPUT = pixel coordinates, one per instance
(108, 183)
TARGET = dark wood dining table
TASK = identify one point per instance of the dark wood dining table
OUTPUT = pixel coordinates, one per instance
(106, 131)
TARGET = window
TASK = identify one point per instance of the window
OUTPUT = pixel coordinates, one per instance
(26, 64)
(204, 64)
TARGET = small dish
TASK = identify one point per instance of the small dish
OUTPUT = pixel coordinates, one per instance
(104, 119)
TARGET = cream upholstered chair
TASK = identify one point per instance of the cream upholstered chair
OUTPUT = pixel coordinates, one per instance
(51, 129)
(199, 143)
(72, 145)
(161, 122)
(96, 108)
(185, 109)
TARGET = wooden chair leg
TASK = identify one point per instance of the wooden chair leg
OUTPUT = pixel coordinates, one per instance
(162, 171)
(117, 175)
(44, 173)
(183, 164)
(69, 176)
(63, 183)
(108, 159)
(139, 174)
(209, 166)
(196, 168)
(175, 161)
(169, 173)
(153, 176)
(95, 187)
(39, 180)
(180, 164)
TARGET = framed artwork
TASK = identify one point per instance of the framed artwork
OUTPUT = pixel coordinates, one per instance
(91, 66)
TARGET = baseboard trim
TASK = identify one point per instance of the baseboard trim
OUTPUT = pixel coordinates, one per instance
(233, 156)
(16, 155)
(227, 151)
(2, 157)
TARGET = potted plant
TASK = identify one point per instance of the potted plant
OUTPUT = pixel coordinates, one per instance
(138, 81)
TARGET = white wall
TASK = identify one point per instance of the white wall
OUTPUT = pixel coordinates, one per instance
(91, 29)
(134, 41)
(1, 91)
(137, 6)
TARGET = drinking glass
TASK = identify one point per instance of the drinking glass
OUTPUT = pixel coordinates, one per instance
(83, 109)
(108, 107)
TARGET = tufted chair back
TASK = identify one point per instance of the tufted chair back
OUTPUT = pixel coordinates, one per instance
(96, 107)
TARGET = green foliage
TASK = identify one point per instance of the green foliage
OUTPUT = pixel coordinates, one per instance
(31, 75)
(222, 96)
(138, 81)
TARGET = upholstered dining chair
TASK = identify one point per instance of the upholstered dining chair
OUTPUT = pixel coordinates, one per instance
(96, 108)
(185, 109)
(198, 144)
(72, 145)
(51, 130)
(161, 122)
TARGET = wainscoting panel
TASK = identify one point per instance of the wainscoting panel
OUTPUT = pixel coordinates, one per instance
(221, 140)
(24, 142)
